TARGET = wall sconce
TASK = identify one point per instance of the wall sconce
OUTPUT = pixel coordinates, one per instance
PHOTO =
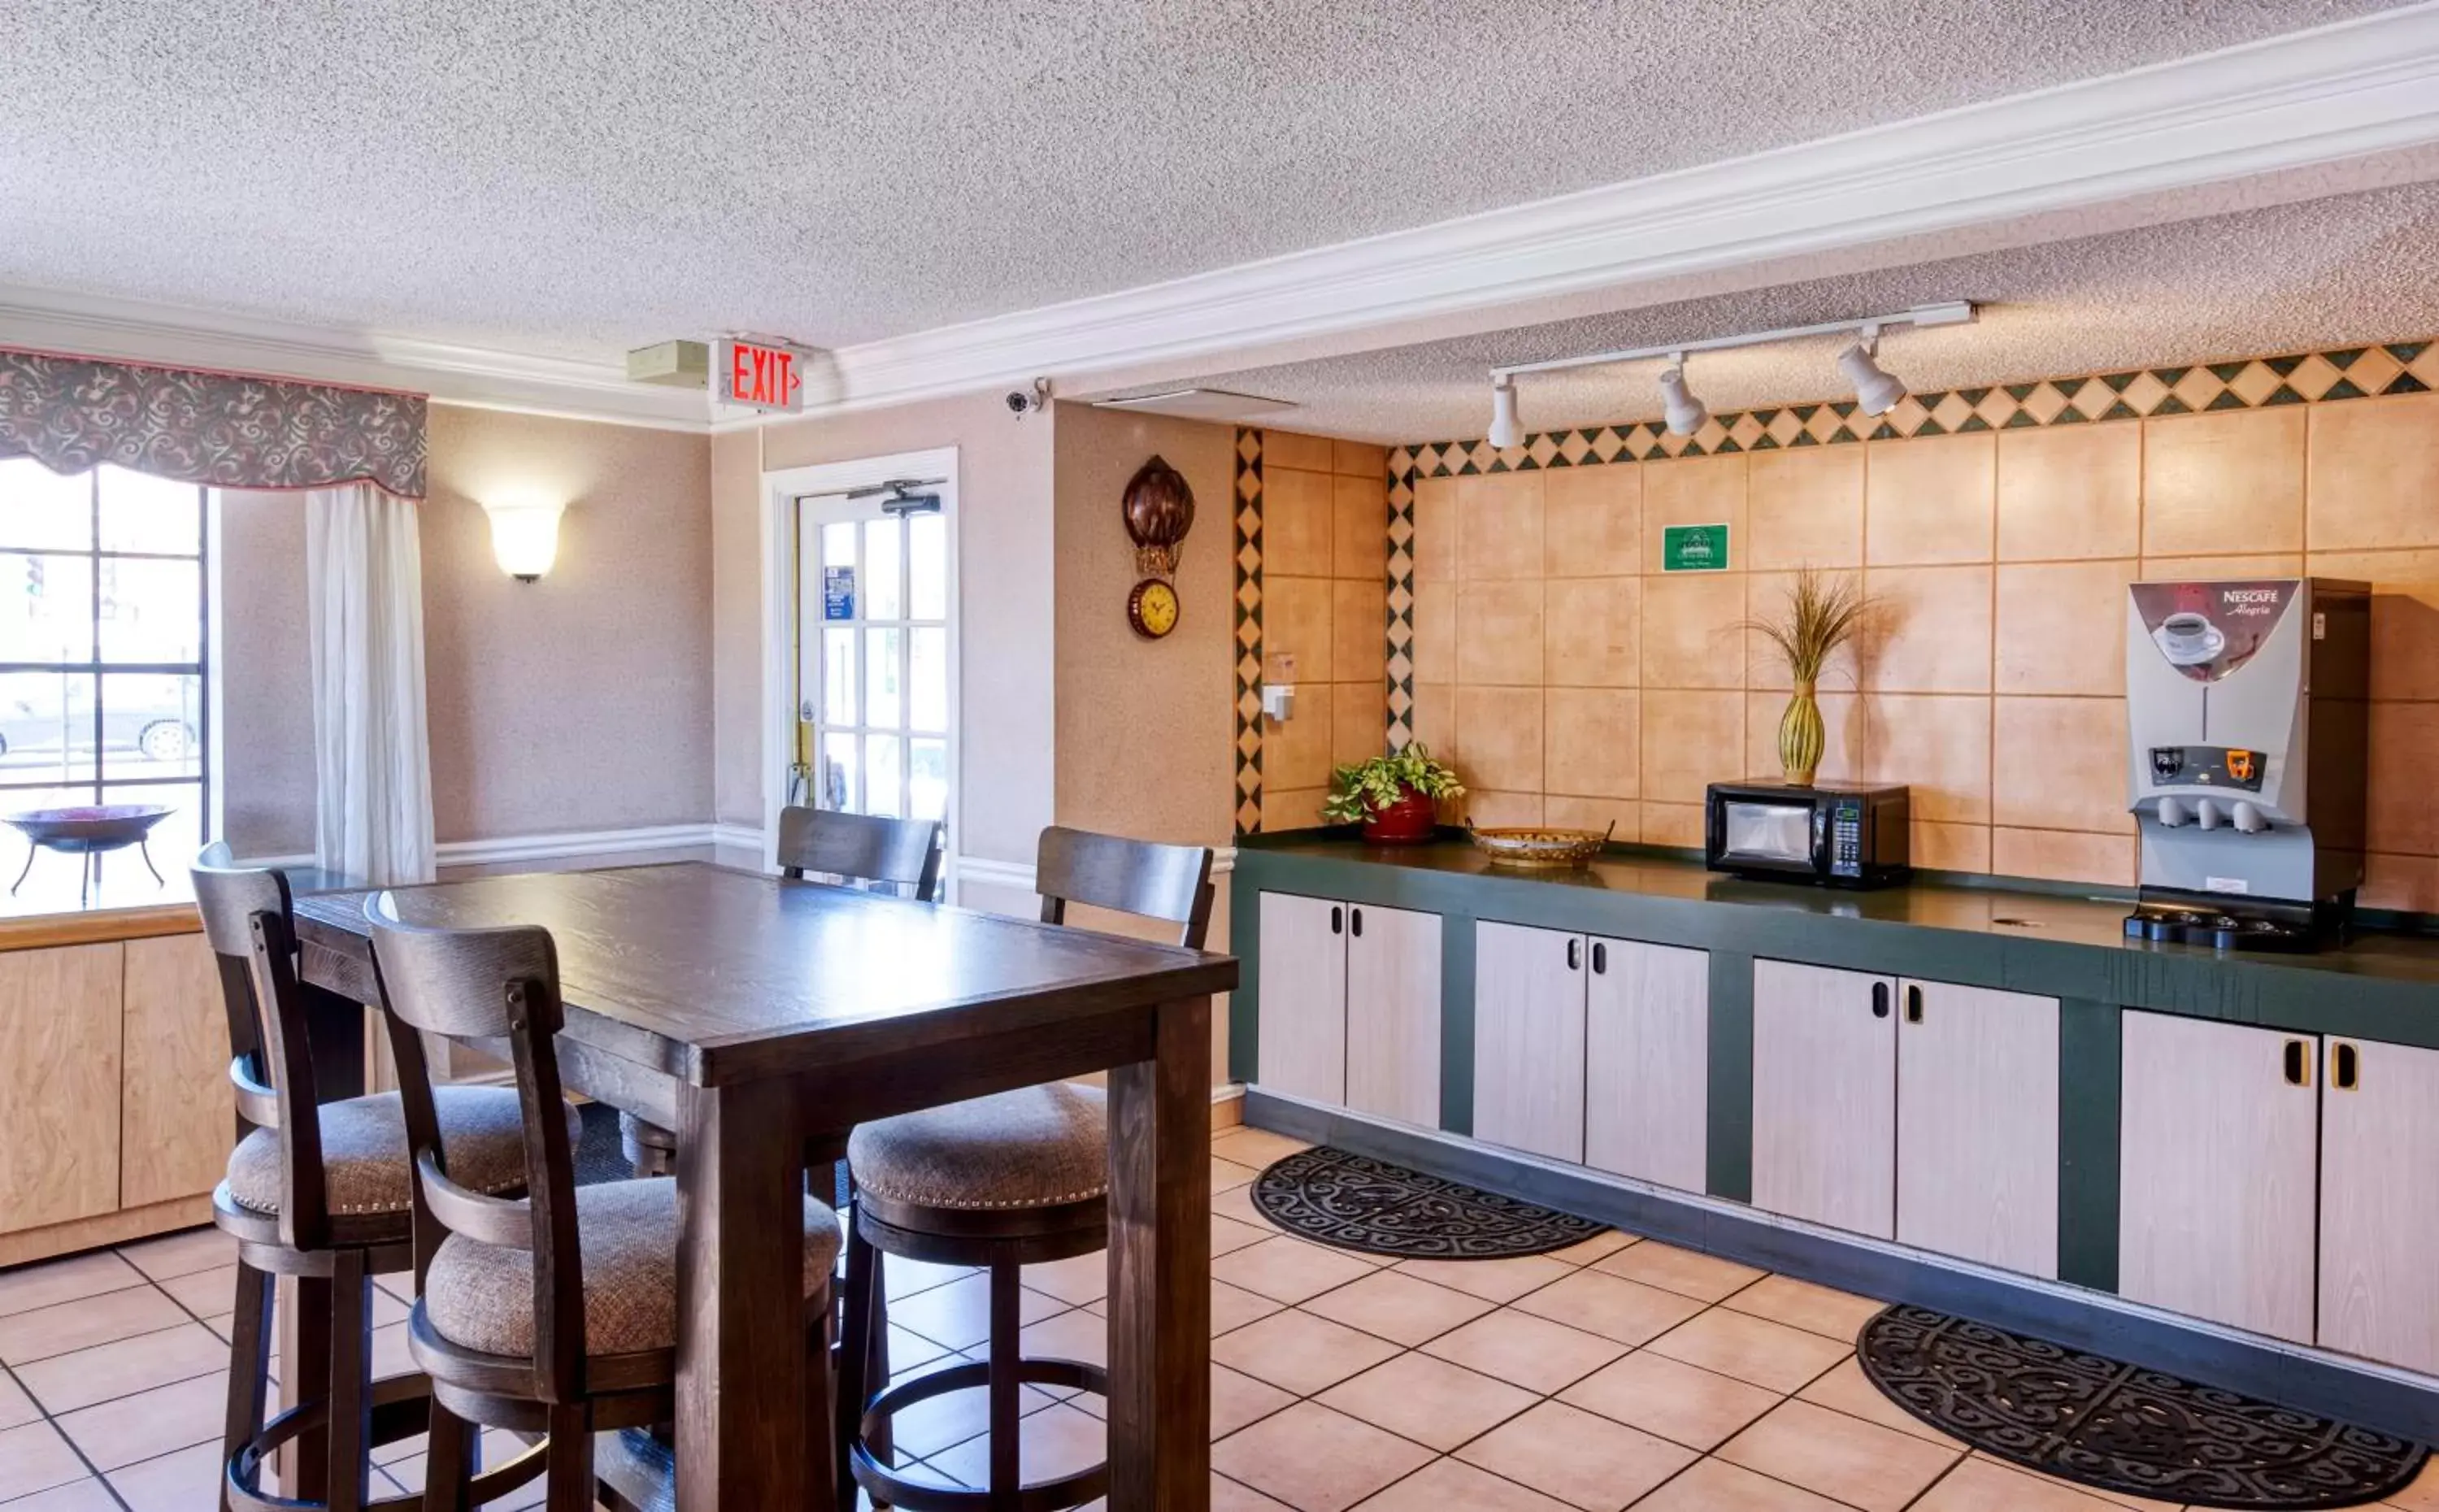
(525, 536)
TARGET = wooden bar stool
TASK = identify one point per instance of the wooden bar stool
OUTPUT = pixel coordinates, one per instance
(321, 1192)
(851, 847)
(556, 1314)
(1004, 1181)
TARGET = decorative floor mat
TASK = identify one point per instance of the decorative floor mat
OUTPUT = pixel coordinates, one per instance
(1355, 1203)
(2120, 1428)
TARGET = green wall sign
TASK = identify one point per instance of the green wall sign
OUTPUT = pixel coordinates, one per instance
(1694, 548)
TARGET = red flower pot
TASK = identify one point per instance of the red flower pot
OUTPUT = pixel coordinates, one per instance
(1409, 821)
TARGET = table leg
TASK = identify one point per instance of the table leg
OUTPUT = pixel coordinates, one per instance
(1160, 1268)
(743, 1381)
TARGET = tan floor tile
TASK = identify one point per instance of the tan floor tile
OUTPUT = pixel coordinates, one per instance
(1704, 1277)
(1715, 1485)
(1314, 1459)
(2112, 1497)
(1599, 1247)
(1526, 1351)
(1832, 1314)
(88, 1495)
(1395, 1305)
(909, 1350)
(1227, 1495)
(206, 1293)
(1453, 1485)
(1235, 1306)
(1847, 1389)
(1298, 1352)
(176, 1254)
(1248, 1145)
(926, 1428)
(1055, 1441)
(1610, 1305)
(1227, 1173)
(1858, 1463)
(1228, 1235)
(905, 1278)
(1237, 1400)
(29, 1286)
(187, 1481)
(149, 1423)
(96, 1320)
(1074, 1281)
(1582, 1460)
(1429, 1401)
(1070, 1336)
(1677, 1401)
(15, 1406)
(1491, 1280)
(65, 1382)
(1981, 1486)
(1286, 1270)
(35, 1458)
(957, 1315)
(2423, 1495)
(1771, 1355)
(1237, 1203)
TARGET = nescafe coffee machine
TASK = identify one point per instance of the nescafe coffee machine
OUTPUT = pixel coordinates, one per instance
(2247, 704)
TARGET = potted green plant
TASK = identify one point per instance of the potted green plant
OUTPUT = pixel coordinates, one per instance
(1392, 796)
(1821, 614)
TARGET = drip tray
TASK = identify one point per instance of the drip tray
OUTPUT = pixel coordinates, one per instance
(2219, 931)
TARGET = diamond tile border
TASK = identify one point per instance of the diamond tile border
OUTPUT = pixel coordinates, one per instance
(2300, 378)
(1248, 597)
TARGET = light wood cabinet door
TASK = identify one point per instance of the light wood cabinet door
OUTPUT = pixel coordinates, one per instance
(179, 1117)
(1648, 1062)
(1302, 1018)
(2218, 1168)
(2379, 1228)
(1528, 1039)
(1978, 1124)
(59, 1079)
(1825, 1096)
(1392, 1013)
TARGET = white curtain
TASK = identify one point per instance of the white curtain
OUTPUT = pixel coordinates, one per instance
(372, 749)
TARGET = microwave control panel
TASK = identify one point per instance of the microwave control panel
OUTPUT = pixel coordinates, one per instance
(1846, 837)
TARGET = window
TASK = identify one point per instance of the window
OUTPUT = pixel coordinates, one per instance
(104, 659)
(875, 667)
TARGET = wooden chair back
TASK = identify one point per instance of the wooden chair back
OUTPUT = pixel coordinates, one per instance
(862, 847)
(249, 922)
(495, 983)
(1170, 882)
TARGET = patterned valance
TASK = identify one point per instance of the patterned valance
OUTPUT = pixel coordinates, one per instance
(226, 430)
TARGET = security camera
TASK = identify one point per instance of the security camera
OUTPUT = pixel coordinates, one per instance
(1020, 402)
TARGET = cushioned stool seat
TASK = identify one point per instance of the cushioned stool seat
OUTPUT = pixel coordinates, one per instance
(364, 1151)
(481, 1296)
(1036, 1147)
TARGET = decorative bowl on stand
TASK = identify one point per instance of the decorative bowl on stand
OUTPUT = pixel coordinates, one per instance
(88, 831)
(1539, 847)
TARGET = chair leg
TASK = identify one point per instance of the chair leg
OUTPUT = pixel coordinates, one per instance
(875, 1348)
(308, 1334)
(821, 1453)
(350, 1383)
(249, 1380)
(854, 1355)
(569, 1461)
(448, 1462)
(1007, 1357)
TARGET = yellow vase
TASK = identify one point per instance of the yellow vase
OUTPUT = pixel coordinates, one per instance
(1801, 738)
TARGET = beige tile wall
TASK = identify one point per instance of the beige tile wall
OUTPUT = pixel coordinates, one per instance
(1325, 602)
(1575, 685)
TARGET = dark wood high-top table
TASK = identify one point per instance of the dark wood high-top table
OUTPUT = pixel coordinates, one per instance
(751, 1014)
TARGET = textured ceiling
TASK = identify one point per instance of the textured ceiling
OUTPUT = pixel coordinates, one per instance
(578, 176)
(2344, 271)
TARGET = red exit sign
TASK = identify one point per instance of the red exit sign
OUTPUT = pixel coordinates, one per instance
(759, 375)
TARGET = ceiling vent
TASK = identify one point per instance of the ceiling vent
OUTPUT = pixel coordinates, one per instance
(1199, 403)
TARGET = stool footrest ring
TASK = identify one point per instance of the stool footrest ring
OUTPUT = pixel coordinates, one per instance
(887, 1487)
(401, 1411)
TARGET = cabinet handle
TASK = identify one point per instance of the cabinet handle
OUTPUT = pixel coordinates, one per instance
(1879, 1000)
(1600, 959)
(1914, 1004)
(2345, 1067)
(1354, 920)
(2299, 1063)
(1337, 920)
(1574, 955)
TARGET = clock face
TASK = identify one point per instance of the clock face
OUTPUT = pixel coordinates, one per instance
(1151, 609)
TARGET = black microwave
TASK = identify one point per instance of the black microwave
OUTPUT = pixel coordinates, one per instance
(1831, 834)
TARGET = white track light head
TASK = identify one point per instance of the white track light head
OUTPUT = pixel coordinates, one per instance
(1504, 431)
(1684, 411)
(1876, 389)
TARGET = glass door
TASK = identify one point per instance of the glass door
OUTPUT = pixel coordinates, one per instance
(873, 674)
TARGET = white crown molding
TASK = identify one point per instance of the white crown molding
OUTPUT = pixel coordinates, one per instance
(2302, 101)
(478, 377)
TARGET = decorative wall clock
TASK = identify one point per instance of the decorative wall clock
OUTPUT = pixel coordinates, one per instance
(1159, 510)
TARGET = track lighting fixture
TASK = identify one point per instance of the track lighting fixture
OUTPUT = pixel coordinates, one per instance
(1876, 389)
(1504, 431)
(1684, 411)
